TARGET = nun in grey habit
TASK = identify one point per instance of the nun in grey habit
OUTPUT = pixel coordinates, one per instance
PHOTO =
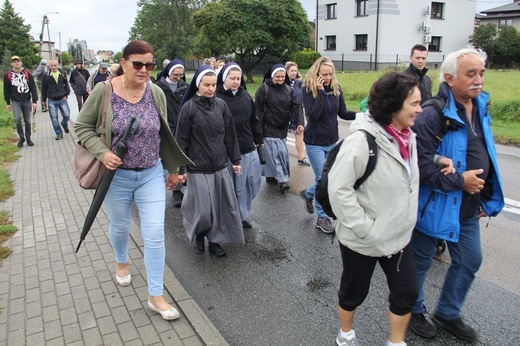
(206, 133)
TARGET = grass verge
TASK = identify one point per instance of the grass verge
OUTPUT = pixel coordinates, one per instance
(8, 154)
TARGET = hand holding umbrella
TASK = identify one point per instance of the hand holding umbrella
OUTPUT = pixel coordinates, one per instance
(120, 150)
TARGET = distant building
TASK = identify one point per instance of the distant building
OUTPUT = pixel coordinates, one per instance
(105, 55)
(372, 34)
(78, 49)
(47, 50)
(502, 16)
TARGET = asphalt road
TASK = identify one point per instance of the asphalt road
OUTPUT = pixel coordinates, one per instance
(280, 288)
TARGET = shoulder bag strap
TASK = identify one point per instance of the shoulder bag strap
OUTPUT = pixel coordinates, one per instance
(106, 104)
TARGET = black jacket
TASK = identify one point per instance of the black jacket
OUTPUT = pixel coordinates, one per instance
(247, 125)
(322, 116)
(173, 100)
(21, 89)
(207, 135)
(78, 81)
(275, 109)
(425, 83)
(52, 90)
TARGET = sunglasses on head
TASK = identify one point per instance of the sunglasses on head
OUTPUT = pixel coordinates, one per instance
(139, 65)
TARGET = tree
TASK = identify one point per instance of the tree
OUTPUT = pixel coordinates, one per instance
(14, 37)
(66, 59)
(252, 30)
(165, 24)
(508, 44)
(484, 39)
(117, 57)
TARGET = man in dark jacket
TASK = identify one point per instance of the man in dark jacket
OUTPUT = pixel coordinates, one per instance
(78, 80)
(19, 86)
(172, 81)
(56, 89)
(417, 68)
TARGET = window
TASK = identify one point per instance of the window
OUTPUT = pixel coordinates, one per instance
(437, 10)
(361, 8)
(361, 42)
(331, 43)
(331, 11)
(505, 22)
(435, 44)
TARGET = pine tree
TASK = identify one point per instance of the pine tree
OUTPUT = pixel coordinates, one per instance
(14, 37)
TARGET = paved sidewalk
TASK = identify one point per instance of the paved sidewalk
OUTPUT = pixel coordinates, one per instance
(49, 295)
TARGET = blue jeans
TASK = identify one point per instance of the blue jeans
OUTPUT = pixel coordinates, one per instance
(317, 155)
(22, 110)
(147, 189)
(63, 106)
(466, 257)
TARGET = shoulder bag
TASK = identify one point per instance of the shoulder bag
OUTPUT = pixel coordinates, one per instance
(88, 170)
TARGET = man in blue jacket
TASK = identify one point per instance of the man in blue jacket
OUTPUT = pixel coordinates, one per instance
(457, 126)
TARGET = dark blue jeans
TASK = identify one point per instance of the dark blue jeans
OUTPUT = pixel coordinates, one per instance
(466, 257)
(63, 106)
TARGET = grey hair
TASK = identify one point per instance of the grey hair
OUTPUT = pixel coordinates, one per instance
(451, 63)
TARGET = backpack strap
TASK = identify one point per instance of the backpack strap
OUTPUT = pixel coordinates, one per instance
(439, 104)
(372, 159)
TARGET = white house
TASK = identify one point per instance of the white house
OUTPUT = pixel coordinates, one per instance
(371, 34)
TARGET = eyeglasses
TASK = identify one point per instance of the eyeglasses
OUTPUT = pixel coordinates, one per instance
(139, 65)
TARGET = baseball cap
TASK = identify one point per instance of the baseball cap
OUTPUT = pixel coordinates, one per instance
(103, 65)
(43, 62)
(15, 57)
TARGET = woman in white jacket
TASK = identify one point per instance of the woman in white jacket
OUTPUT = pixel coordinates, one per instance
(375, 222)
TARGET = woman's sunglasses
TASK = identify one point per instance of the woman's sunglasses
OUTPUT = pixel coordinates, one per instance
(139, 65)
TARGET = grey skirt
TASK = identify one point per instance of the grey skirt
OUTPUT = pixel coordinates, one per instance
(277, 159)
(210, 207)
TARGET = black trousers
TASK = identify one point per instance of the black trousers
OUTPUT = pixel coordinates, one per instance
(81, 99)
(357, 273)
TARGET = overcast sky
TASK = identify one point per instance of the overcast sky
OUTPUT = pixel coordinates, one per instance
(105, 24)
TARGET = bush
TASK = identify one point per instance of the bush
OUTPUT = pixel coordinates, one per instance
(508, 111)
(305, 58)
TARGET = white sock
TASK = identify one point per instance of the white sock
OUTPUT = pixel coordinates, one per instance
(348, 335)
(389, 343)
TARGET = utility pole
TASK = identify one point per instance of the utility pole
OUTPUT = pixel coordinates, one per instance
(45, 21)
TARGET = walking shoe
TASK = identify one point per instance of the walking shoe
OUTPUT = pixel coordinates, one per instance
(59, 136)
(66, 129)
(304, 162)
(341, 341)
(325, 225)
(30, 143)
(177, 199)
(460, 329)
(20, 142)
(421, 326)
(284, 186)
(199, 244)
(309, 202)
(217, 250)
(271, 180)
(247, 224)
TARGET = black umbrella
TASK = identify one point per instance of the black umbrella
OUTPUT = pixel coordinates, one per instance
(102, 189)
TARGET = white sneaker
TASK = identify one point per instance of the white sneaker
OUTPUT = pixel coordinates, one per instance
(341, 341)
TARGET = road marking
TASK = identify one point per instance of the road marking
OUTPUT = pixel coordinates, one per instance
(512, 206)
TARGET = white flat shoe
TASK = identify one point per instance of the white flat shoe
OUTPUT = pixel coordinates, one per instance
(170, 314)
(124, 281)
